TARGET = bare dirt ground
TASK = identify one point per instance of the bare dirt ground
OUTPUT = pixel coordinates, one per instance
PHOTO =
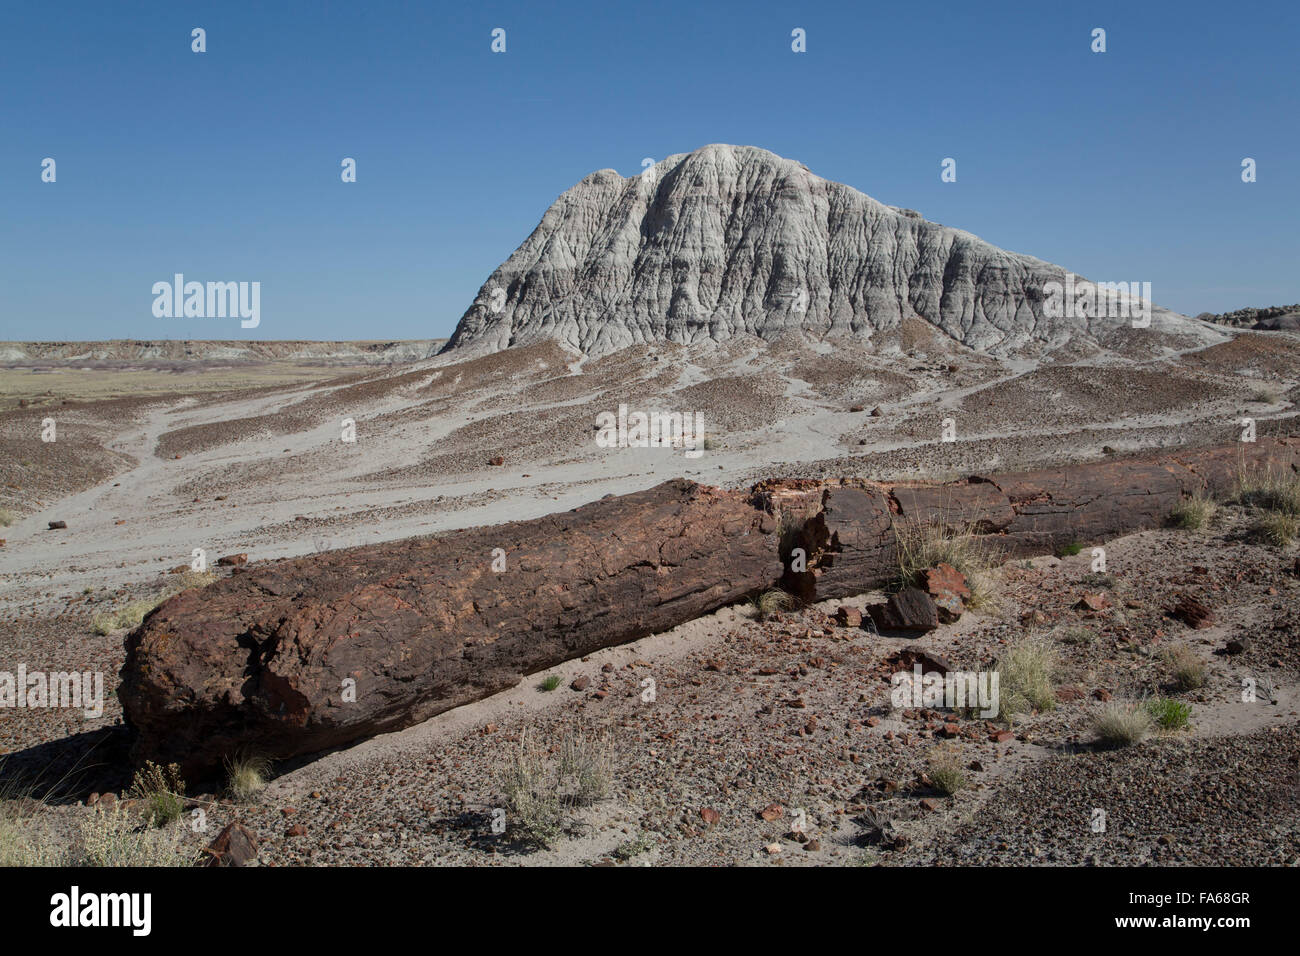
(746, 714)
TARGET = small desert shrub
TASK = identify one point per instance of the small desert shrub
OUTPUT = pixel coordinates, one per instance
(1193, 513)
(1187, 670)
(770, 602)
(1069, 550)
(103, 838)
(6, 517)
(632, 848)
(533, 807)
(946, 770)
(1168, 714)
(112, 838)
(23, 842)
(1265, 395)
(246, 776)
(549, 682)
(1277, 529)
(162, 790)
(1119, 725)
(710, 444)
(922, 546)
(540, 794)
(1025, 671)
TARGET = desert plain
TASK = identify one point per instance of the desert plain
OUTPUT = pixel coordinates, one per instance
(771, 737)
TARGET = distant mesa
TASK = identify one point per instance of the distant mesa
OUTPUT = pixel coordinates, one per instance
(734, 240)
(1271, 318)
(144, 353)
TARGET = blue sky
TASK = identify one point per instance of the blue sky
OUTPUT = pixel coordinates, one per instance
(1122, 166)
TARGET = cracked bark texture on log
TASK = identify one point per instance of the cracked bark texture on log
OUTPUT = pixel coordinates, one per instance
(848, 529)
(258, 661)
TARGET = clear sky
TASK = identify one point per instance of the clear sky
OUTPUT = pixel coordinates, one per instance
(225, 165)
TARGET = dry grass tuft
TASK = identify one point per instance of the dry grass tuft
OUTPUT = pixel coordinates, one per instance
(770, 602)
(922, 546)
(131, 614)
(1269, 491)
(1122, 725)
(1276, 498)
(246, 776)
(946, 770)
(1277, 529)
(1187, 670)
(1026, 668)
(1193, 513)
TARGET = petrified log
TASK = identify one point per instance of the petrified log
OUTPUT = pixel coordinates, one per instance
(848, 532)
(266, 660)
(295, 656)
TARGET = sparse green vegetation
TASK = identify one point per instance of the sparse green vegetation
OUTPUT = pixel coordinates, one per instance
(1025, 671)
(1169, 714)
(946, 771)
(540, 796)
(1193, 513)
(246, 776)
(633, 848)
(549, 682)
(1187, 670)
(1069, 550)
(1266, 395)
(1121, 725)
(162, 790)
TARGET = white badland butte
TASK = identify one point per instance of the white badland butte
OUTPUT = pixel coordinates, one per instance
(732, 240)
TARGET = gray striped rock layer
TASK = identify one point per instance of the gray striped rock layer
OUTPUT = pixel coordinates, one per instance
(730, 240)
